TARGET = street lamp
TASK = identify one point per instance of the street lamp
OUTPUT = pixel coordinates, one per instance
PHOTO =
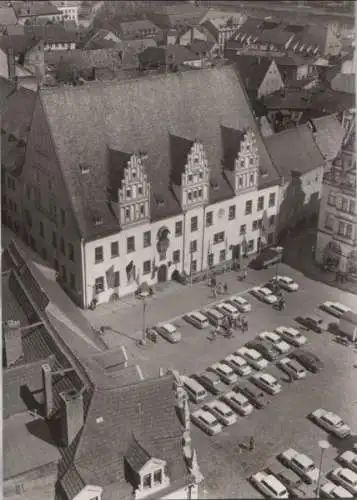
(323, 445)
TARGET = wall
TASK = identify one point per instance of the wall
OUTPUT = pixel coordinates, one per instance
(4, 68)
(183, 494)
(272, 81)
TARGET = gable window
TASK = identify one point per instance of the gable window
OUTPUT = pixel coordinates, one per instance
(128, 193)
(272, 200)
(70, 252)
(147, 239)
(260, 203)
(232, 212)
(209, 219)
(98, 254)
(147, 481)
(178, 228)
(114, 248)
(130, 244)
(194, 223)
(147, 267)
(248, 207)
(140, 190)
(99, 285)
(176, 256)
(218, 237)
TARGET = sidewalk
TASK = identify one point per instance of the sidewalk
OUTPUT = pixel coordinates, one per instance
(298, 254)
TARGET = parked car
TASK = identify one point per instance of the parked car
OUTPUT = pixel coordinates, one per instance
(238, 364)
(286, 283)
(211, 381)
(292, 367)
(215, 317)
(197, 319)
(273, 338)
(267, 382)
(349, 459)
(169, 332)
(264, 294)
(206, 421)
(330, 422)
(292, 335)
(238, 402)
(266, 349)
(253, 358)
(241, 304)
(225, 372)
(195, 391)
(330, 490)
(335, 308)
(301, 464)
(222, 412)
(228, 310)
(309, 360)
(346, 478)
(313, 322)
(255, 395)
(269, 485)
(287, 476)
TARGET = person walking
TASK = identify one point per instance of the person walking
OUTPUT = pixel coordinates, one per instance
(251, 443)
(214, 292)
(225, 287)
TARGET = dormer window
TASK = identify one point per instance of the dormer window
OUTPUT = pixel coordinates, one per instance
(158, 476)
(127, 213)
(200, 193)
(195, 194)
(128, 193)
(142, 210)
(134, 174)
(147, 481)
(196, 160)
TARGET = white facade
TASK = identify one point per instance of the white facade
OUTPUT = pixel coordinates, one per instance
(60, 46)
(69, 9)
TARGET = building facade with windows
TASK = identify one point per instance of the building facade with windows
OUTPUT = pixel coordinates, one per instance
(120, 203)
(336, 246)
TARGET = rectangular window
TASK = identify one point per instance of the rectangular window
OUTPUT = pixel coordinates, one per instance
(218, 237)
(130, 244)
(71, 252)
(329, 221)
(116, 279)
(147, 267)
(193, 266)
(176, 256)
(209, 219)
(63, 217)
(331, 199)
(147, 481)
(222, 256)
(42, 233)
(210, 259)
(194, 224)
(260, 203)
(72, 281)
(248, 207)
(243, 229)
(193, 246)
(352, 207)
(349, 230)
(64, 274)
(54, 239)
(272, 220)
(344, 205)
(114, 249)
(270, 238)
(158, 476)
(272, 197)
(232, 212)
(147, 239)
(99, 285)
(62, 246)
(255, 225)
(250, 245)
(178, 228)
(98, 254)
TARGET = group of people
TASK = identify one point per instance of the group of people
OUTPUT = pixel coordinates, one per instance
(229, 324)
(218, 287)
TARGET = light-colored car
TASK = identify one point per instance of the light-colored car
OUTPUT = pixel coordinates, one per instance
(241, 304)
(291, 335)
(330, 490)
(292, 367)
(253, 358)
(267, 382)
(301, 464)
(346, 478)
(275, 339)
(228, 310)
(331, 422)
(225, 372)
(169, 332)
(264, 294)
(206, 421)
(269, 485)
(238, 364)
(197, 319)
(313, 322)
(215, 317)
(238, 402)
(335, 308)
(349, 459)
(222, 412)
(286, 283)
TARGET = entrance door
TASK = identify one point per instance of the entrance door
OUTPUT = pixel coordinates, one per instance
(162, 274)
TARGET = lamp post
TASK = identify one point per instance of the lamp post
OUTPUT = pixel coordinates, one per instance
(323, 445)
(144, 321)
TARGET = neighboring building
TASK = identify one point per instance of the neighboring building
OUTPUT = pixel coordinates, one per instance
(170, 58)
(297, 71)
(336, 245)
(118, 203)
(190, 34)
(36, 12)
(95, 427)
(301, 175)
(344, 82)
(55, 37)
(138, 29)
(178, 16)
(260, 75)
(102, 39)
(222, 29)
(69, 9)
(237, 17)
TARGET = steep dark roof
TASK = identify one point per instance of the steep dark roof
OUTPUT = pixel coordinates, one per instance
(300, 140)
(136, 455)
(17, 113)
(252, 70)
(130, 27)
(201, 46)
(20, 44)
(6, 88)
(102, 40)
(51, 33)
(38, 8)
(175, 54)
(191, 105)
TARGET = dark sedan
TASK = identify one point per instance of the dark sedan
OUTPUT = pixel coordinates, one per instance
(308, 359)
(255, 395)
(266, 349)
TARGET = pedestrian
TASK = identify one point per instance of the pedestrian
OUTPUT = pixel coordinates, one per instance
(214, 291)
(214, 281)
(251, 443)
(225, 288)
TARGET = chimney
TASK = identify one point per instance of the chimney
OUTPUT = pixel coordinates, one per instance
(13, 343)
(47, 389)
(72, 415)
(11, 64)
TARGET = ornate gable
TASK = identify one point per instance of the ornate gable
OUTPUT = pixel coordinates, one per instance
(195, 178)
(246, 165)
(134, 192)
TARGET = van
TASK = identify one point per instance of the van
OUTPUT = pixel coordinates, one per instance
(214, 316)
(197, 319)
(195, 391)
(228, 309)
